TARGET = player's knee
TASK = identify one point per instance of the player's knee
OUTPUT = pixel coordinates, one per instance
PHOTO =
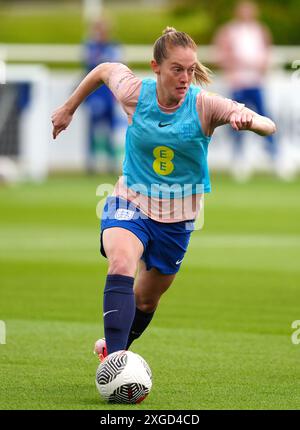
(147, 306)
(122, 264)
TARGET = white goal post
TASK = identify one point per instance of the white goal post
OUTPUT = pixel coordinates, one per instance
(31, 156)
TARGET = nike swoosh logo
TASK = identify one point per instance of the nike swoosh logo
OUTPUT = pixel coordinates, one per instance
(179, 261)
(108, 312)
(160, 124)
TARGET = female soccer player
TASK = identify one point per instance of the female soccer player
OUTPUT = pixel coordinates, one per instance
(147, 222)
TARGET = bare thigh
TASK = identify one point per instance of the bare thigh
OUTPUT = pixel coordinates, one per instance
(149, 287)
(123, 250)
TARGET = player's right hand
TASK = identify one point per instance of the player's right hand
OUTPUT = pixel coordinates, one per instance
(60, 118)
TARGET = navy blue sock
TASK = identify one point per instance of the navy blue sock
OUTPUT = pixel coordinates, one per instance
(118, 311)
(139, 325)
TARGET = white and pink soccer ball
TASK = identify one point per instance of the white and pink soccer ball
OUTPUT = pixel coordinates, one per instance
(124, 377)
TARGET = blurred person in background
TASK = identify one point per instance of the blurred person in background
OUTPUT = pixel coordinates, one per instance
(242, 50)
(101, 103)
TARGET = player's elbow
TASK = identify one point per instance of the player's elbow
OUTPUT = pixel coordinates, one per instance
(264, 126)
(271, 129)
(274, 128)
(102, 72)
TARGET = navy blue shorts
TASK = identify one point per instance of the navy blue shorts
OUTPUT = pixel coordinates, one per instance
(165, 244)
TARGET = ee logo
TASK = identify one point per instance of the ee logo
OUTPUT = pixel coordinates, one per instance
(163, 160)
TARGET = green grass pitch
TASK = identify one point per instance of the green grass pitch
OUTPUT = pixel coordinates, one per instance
(221, 338)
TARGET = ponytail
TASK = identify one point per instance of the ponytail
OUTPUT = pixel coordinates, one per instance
(170, 38)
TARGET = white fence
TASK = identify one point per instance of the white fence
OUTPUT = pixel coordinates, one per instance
(281, 55)
(39, 153)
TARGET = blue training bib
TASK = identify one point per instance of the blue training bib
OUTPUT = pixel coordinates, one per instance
(166, 154)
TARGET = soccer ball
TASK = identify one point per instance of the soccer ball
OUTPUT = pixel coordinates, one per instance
(124, 377)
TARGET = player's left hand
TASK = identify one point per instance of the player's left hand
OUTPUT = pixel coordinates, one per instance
(241, 120)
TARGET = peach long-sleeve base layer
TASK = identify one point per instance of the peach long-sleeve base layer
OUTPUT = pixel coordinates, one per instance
(213, 111)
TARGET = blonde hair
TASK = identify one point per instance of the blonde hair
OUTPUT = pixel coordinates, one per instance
(172, 37)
